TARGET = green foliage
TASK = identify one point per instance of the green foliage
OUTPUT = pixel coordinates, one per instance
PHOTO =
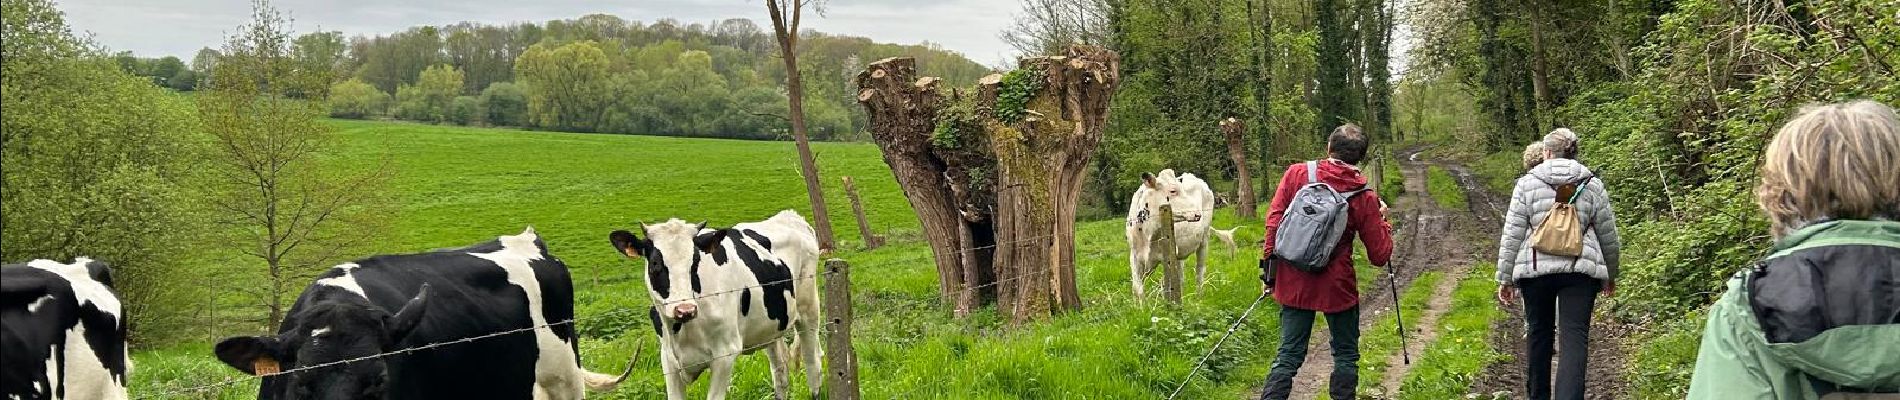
(282, 207)
(958, 119)
(465, 110)
(1444, 189)
(355, 99)
(1015, 91)
(1500, 170)
(1667, 354)
(431, 97)
(98, 163)
(566, 85)
(1394, 184)
(1382, 339)
(504, 104)
(1452, 362)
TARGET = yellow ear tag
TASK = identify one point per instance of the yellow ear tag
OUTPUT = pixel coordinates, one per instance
(264, 366)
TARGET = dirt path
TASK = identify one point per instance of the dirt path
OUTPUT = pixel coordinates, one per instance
(1608, 340)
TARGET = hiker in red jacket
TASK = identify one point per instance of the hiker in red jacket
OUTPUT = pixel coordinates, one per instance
(1333, 290)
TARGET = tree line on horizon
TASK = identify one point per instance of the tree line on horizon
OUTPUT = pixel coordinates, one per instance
(597, 73)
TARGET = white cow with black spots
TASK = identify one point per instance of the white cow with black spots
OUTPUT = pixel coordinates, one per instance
(1193, 204)
(718, 293)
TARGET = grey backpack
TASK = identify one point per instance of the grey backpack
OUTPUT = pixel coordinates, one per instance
(1313, 223)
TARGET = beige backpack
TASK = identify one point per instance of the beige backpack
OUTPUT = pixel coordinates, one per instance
(1561, 233)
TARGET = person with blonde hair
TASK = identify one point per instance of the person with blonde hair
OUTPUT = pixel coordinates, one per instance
(1819, 317)
(1559, 288)
(1533, 154)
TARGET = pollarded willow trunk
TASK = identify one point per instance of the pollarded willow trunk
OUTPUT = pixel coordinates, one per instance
(995, 176)
(1235, 130)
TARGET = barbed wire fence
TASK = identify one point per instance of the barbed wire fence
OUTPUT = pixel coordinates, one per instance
(176, 392)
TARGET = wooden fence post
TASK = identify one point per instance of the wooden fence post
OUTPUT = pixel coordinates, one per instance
(1170, 262)
(871, 240)
(841, 363)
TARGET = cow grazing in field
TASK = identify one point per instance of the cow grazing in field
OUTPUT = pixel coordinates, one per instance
(62, 332)
(394, 302)
(722, 292)
(1193, 204)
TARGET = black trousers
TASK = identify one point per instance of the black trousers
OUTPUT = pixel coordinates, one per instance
(1558, 305)
(1296, 328)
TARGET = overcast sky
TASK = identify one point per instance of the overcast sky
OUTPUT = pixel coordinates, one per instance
(155, 28)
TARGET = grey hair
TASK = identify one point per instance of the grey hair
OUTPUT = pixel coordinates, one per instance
(1561, 143)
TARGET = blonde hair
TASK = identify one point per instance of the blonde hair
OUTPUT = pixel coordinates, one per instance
(1562, 143)
(1533, 155)
(1833, 161)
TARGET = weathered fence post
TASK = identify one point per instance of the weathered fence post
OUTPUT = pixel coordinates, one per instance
(1170, 262)
(871, 241)
(841, 363)
(1234, 129)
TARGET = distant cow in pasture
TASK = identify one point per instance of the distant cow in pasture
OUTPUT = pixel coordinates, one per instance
(389, 303)
(1193, 207)
(62, 332)
(719, 293)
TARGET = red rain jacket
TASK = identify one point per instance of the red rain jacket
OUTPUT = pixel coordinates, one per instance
(1335, 288)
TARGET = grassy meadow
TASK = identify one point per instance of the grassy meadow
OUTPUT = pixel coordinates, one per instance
(455, 185)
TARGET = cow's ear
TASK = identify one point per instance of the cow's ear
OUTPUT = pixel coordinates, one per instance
(21, 291)
(253, 355)
(627, 243)
(708, 241)
(406, 320)
(1148, 180)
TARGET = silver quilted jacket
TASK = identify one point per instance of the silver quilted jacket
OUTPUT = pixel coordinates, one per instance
(1534, 196)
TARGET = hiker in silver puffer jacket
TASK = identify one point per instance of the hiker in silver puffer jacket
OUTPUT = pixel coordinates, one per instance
(1536, 191)
(1559, 291)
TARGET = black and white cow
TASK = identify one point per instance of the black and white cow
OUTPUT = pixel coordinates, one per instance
(62, 332)
(387, 303)
(720, 292)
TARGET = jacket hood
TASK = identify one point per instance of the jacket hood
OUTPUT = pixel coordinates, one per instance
(1560, 171)
(1845, 354)
(1340, 175)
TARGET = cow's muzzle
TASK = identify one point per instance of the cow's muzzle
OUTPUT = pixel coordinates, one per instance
(685, 312)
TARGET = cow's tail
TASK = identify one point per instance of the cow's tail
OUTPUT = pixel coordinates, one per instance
(1227, 236)
(600, 382)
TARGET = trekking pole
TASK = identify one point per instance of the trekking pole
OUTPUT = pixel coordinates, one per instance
(1398, 311)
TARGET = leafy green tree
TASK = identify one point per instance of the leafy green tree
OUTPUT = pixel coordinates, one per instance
(566, 85)
(356, 99)
(97, 163)
(429, 99)
(465, 110)
(287, 209)
(162, 70)
(388, 62)
(504, 104)
(322, 52)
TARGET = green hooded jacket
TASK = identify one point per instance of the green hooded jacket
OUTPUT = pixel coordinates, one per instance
(1820, 315)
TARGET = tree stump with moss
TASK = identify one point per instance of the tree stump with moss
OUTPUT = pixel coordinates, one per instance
(995, 173)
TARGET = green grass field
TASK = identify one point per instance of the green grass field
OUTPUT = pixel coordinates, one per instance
(456, 186)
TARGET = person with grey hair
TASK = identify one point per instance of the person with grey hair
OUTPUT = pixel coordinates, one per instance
(1559, 288)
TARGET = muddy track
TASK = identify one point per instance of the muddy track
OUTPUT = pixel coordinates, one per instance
(1608, 340)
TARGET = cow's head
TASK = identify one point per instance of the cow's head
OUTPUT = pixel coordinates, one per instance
(1159, 189)
(671, 250)
(327, 332)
